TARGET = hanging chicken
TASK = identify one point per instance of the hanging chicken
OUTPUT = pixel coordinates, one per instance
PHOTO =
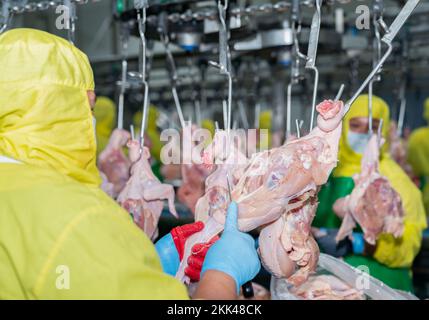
(373, 203)
(113, 162)
(143, 194)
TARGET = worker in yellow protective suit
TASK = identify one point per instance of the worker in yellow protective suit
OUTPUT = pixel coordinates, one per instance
(104, 113)
(61, 236)
(418, 155)
(391, 259)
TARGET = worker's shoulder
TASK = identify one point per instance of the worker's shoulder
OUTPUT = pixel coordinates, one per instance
(44, 192)
(420, 133)
(398, 177)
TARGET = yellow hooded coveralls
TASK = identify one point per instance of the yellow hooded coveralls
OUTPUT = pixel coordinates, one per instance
(418, 155)
(393, 258)
(61, 236)
(104, 113)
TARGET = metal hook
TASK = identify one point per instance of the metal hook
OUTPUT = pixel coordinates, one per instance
(312, 54)
(397, 24)
(124, 48)
(243, 115)
(173, 71)
(402, 108)
(224, 56)
(298, 125)
(377, 16)
(295, 72)
(402, 91)
(379, 133)
(141, 19)
(340, 92)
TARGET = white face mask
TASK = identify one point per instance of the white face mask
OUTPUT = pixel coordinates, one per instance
(358, 141)
(94, 124)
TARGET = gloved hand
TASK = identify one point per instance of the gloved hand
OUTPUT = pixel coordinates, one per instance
(234, 253)
(171, 247)
(326, 240)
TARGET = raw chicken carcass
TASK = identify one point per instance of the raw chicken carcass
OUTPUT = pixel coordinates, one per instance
(373, 203)
(398, 151)
(194, 176)
(286, 247)
(272, 181)
(193, 184)
(143, 194)
(112, 161)
(326, 287)
(106, 186)
(230, 163)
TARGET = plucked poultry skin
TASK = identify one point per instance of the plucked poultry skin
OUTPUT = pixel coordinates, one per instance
(143, 194)
(113, 162)
(193, 184)
(272, 184)
(326, 287)
(373, 203)
(289, 238)
(193, 176)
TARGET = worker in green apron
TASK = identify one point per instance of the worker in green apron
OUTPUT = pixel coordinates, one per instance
(391, 258)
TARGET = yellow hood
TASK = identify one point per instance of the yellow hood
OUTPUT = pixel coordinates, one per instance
(45, 116)
(350, 161)
(104, 112)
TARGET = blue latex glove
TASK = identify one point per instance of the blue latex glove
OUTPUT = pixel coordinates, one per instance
(343, 248)
(234, 253)
(168, 254)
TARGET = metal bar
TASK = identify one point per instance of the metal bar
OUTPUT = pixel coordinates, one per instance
(178, 106)
(370, 107)
(402, 109)
(379, 132)
(132, 132)
(340, 92)
(314, 36)
(141, 18)
(223, 35)
(368, 79)
(124, 47)
(288, 110)
(298, 131)
(225, 114)
(243, 115)
(312, 54)
(400, 19)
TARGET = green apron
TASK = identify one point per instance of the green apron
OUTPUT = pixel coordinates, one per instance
(335, 188)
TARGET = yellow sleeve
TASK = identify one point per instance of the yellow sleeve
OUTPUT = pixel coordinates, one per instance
(103, 255)
(400, 252)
